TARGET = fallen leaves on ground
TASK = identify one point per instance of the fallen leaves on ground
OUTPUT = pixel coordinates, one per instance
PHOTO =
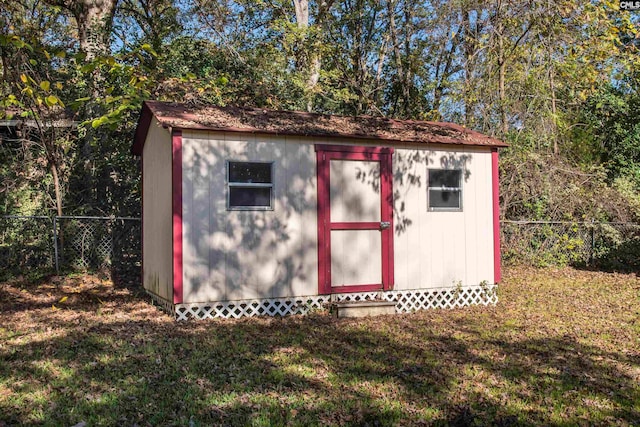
(561, 347)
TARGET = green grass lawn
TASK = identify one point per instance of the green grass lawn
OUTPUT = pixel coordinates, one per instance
(561, 348)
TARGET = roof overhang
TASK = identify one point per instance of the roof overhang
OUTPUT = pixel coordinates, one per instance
(271, 122)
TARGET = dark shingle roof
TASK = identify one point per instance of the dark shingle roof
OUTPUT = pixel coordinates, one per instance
(258, 120)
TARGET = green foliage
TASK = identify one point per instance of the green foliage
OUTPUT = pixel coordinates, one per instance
(547, 244)
(612, 118)
(25, 245)
(125, 83)
(532, 76)
(617, 248)
(186, 57)
(549, 188)
(629, 193)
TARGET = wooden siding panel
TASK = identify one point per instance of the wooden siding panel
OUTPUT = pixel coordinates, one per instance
(157, 228)
(485, 224)
(437, 227)
(261, 254)
(298, 212)
(473, 202)
(442, 249)
(248, 254)
(203, 267)
(218, 239)
(413, 262)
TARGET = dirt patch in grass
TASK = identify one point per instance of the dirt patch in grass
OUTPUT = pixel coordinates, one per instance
(561, 347)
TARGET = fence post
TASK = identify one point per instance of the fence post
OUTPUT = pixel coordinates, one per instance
(55, 242)
(593, 243)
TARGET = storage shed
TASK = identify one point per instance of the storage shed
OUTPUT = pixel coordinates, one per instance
(257, 212)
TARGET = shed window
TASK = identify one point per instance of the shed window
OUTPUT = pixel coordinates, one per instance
(250, 185)
(445, 190)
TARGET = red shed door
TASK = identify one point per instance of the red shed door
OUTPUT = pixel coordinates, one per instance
(355, 219)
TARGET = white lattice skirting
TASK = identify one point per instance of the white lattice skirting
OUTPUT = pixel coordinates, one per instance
(406, 301)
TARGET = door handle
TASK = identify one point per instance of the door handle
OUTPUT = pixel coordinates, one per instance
(385, 224)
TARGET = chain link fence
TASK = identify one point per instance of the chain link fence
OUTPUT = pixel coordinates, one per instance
(99, 243)
(26, 242)
(70, 243)
(75, 243)
(543, 243)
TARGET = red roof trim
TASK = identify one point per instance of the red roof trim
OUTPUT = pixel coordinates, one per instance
(144, 122)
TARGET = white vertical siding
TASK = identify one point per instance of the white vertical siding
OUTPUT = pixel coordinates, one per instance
(231, 255)
(157, 212)
(436, 248)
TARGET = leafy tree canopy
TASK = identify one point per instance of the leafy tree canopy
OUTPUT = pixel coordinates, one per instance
(558, 80)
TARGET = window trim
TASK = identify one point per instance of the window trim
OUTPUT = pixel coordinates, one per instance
(230, 185)
(458, 189)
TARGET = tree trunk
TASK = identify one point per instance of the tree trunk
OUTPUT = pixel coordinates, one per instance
(554, 118)
(93, 22)
(56, 185)
(502, 69)
(302, 12)
(468, 52)
(382, 54)
(443, 77)
(501, 93)
(408, 71)
(93, 19)
(395, 48)
(314, 60)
